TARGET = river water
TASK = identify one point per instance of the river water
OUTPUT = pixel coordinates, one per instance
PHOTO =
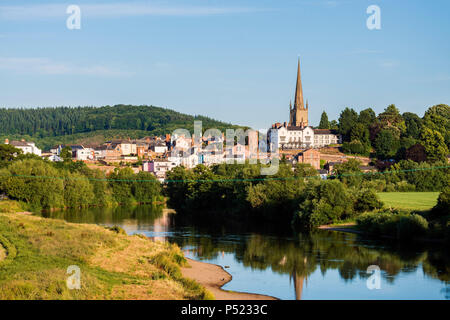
(287, 265)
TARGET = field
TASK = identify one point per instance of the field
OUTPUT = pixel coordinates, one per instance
(409, 200)
(36, 253)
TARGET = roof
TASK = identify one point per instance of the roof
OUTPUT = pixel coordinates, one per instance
(19, 144)
(322, 171)
(324, 131)
(296, 128)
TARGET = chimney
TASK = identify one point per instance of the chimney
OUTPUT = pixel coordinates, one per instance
(23, 140)
(6, 141)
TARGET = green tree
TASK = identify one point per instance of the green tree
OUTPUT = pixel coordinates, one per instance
(434, 144)
(66, 154)
(386, 144)
(391, 120)
(35, 182)
(324, 124)
(347, 120)
(367, 117)
(437, 118)
(146, 188)
(8, 153)
(413, 124)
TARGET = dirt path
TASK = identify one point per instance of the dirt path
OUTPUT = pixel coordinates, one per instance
(213, 277)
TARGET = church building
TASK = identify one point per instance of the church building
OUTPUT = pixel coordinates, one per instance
(298, 134)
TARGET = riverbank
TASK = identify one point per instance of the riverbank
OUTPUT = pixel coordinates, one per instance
(213, 278)
(37, 252)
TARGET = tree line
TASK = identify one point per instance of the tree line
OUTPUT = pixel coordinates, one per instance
(41, 123)
(41, 184)
(391, 135)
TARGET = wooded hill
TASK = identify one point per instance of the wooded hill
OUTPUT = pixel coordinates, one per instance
(49, 126)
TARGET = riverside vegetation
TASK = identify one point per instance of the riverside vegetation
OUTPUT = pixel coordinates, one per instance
(300, 197)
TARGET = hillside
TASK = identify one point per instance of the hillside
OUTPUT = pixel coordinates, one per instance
(49, 126)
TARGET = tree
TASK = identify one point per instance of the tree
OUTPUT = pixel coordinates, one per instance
(391, 119)
(8, 153)
(386, 144)
(35, 182)
(438, 118)
(324, 124)
(334, 125)
(367, 117)
(66, 154)
(347, 121)
(413, 124)
(434, 144)
(416, 153)
(360, 133)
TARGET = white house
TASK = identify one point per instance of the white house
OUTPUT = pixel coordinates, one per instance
(158, 167)
(294, 137)
(26, 147)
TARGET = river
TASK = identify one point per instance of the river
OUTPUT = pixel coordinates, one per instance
(317, 265)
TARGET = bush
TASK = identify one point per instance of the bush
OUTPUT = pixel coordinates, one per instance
(404, 226)
(326, 202)
(377, 223)
(442, 208)
(411, 226)
(367, 200)
(404, 186)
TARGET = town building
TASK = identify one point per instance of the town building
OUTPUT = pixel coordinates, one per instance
(298, 134)
(310, 156)
(26, 147)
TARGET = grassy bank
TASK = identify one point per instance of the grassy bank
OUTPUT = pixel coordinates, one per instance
(409, 200)
(36, 253)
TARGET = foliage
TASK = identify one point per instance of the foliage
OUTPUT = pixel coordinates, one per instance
(404, 226)
(44, 185)
(325, 202)
(386, 144)
(347, 120)
(442, 208)
(41, 123)
(434, 144)
(324, 123)
(367, 200)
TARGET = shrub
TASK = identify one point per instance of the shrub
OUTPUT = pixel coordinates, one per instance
(117, 230)
(442, 208)
(367, 200)
(404, 186)
(411, 226)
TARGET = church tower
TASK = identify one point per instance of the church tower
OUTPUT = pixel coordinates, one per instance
(298, 114)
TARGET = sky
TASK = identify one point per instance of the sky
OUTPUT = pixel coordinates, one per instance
(234, 61)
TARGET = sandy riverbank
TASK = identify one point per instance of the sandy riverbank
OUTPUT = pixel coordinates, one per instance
(213, 277)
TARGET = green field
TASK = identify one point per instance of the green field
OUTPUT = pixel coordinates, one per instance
(409, 200)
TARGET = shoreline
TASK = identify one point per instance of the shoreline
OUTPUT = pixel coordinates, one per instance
(345, 227)
(213, 277)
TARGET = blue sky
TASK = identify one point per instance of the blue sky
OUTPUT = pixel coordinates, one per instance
(231, 60)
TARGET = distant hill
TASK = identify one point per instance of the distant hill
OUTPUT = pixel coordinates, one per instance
(50, 126)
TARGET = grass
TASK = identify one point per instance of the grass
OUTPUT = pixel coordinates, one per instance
(36, 253)
(409, 200)
(11, 206)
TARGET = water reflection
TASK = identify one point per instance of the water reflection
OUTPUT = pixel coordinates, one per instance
(316, 265)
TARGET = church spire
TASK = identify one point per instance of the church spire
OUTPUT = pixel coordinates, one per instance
(298, 103)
